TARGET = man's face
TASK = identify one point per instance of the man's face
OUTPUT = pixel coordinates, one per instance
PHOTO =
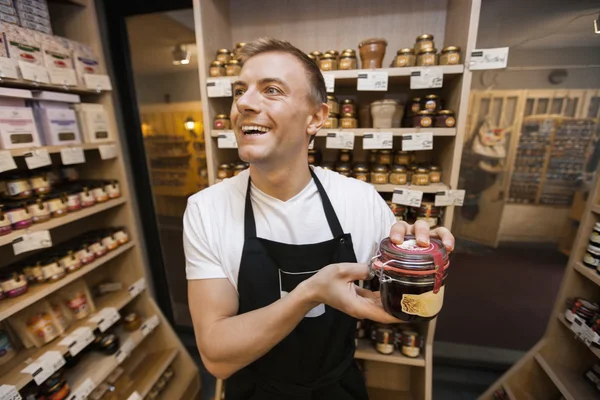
(271, 109)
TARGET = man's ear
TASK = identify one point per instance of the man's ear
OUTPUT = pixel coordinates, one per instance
(317, 119)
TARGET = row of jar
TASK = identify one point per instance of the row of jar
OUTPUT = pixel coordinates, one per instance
(385, 157)
(24, 184)
(227, 170)
(586, 310)
(427, 212)
(382, 174)
(385, 120)
(226, 62)
(386, 338)
(591, 258)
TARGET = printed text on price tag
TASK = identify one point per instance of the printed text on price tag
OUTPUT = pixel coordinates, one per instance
(378, 140)
(33, 72)
(137, 287)
(489, 58)
(97, 81)
(450, 198)
(417, 141)
(407, 197)
(7, 162)
(106, 318)
(149, 325)
(8, 392)
(329, 82)
(72, 155)
(107, 151)
(426, 78)
(37, 158)
(8, 68)
(372, 81)
(78, 340)
(218, 87)
(226, 140)
(63, 76)
(44, 366)
(340, 140)
(83, 390)
(32, 241)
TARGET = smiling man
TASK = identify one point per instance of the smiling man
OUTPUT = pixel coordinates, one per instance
(273, 253)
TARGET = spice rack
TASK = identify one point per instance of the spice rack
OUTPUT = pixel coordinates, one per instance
(221, 24)
(556, 365)
(154, 344)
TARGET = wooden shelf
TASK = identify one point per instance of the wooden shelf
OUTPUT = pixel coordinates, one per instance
(182, 389)
(30, 85)
(56, 149)
(570, 384)
(567, 325)
(596, 209)
(361, 131)
(150, 370)
(35, 293)
(587, 272)
(365, 351)
(433, 188)
(509, 392)
(61, 221)
(388, 394)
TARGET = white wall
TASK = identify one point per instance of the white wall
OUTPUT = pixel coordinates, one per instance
(181, 86)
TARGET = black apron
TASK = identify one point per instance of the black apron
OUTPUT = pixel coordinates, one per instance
(316, 360)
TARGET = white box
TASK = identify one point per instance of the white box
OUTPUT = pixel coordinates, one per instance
(94, 124)
(17, 128)
(56, 97)
(86, 62)
(58, 126)
(23, 44)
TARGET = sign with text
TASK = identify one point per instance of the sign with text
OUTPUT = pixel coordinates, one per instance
(450, 198)
(218, 87)
(378, 140)
(427, 78)
(32, 241)
(33, 72)
(72, 155)
(329, 82)
(340, 140)
(417, 141)
(372, 81)
(227, 140)
(407, 197)
(7, 162)
(37, 158)
(496, 58)
(97, 82)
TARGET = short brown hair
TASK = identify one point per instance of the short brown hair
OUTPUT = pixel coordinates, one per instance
(265, 45)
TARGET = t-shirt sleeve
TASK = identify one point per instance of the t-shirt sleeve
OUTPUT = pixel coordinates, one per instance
(201, 259)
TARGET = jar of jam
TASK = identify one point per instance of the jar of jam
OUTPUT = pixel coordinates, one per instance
(348, 60)
(216, 69)
(40, 325)
(402, 157)
(107, 343)
(414, 106)
(112, 188)
(431, 102)
(5, 224)
(328, 166)
(379, 174)
(97, 189)
(345, 156)
(222, 122)
(84, 253)
(69, 261)
(95, 245)
(316, 54)
(348, 107)
(398, 175)
(591, 258)
(445, 119)
(328, 62)
(57, 204)
(411, 344)
(225, 171)
(384, 342)
(399, 211)
(14, 285)
(331, 122)
(373, 156)
(56, 387)
(361, 172)
(405, 58)
(33, 273)
(411, 278)
(314, 156)
(108, 240)
(429, 213)
(343, 169)
(435, 174)
(78, 304)
(423, 119)
(334, 53)
(87, 198)
(420, 176)
(384, 157)
(132, 322)
(424, 42)
(450, 55)
(426, 57)
(233, 68)
(38, 209)
(39, 182)
(120, 235)
(239, 167)
(348, 121)
(18, 215)
(238, 48)
(334, 106)
(223, 56)
(73, 195)
(18, 187)
(51, 270)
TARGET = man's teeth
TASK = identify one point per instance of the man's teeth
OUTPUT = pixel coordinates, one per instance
(254, 128)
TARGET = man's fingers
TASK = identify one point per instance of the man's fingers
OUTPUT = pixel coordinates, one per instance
(399, 230)
(422, 233)
(353, 271)
(445, 236)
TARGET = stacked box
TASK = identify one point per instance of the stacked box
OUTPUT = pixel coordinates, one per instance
(33, 14)
(85, 60)
(56, 120)
(56, 54)
(23, 44)
(8, 13)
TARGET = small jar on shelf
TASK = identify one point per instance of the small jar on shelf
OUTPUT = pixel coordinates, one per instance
(314, 156)
(399, 211)
(348, 121)
(87, 197)
(384, 157)
(413, 106)
(225, 171)
(69, 261)
(14, 285)
(423, 119)
(450, 55)
(5, 225)
(18, 215)
(373, 156)
(18, 186)
(317, 55)
(343, 169)
(384, 342)
(411, 346)
(424, 42)
(402, 157)
(233, 68)
(223, 56)
(222, 122)
(431, 102)
(420, 176)
(380, 174)
(427, 57)
(398, 175)
(405, 58)
(334, 105)
(331, 122)
(38, 209)
(98, 191)
(435, 174)
(39, 182)
(51, 270)
(348, 60)
(428, 212)
(361, 172)
(217, 69)
(328, 62)
(445, 119)
(348, 107)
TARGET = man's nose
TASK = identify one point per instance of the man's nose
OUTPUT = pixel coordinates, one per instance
(248, 102)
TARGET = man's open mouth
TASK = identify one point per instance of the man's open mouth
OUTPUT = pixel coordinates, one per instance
(254, 129)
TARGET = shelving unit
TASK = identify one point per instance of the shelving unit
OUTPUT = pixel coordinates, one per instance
(79, 21)
(222, 24)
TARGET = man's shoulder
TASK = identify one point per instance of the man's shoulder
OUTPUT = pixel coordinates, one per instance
(222, 192)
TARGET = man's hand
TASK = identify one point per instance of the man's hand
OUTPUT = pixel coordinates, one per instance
(334, 285)
(422, 234)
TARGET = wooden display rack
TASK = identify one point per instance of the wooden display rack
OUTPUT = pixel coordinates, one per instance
(316, 25)
(556, 364)
(158, 344)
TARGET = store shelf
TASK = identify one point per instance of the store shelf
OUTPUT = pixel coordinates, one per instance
(150, 370)
(388, 394)
(61, 221)
(564, 321)
(56, 149)
(181, 386)
(30, 85)
(587, 272)
(432, 188)
(570, 384)
(35, 293)
(361, 132)
(366, 351)
(509, 392)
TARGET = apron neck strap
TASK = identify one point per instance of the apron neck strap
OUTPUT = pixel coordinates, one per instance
(332, 219)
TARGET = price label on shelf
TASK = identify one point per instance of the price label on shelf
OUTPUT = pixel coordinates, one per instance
(9, 392)
(72, 155)
(218, 87)
(137, 287)
(311, 145)
(107, 151)
(426, 78)
(33, 72)
(8, 68)
(44, 366)
(378, 140)
(340, 140)
(124, 351)
(37, 158)
(97, 82)
(496, 58)
(32, 241)
(106, 318)
(372, 81)
(135, 396)
(83, 390)
(63, 76)
(417, 141)
(329, 82)
(78, 340)
(450, 198)
(407, 197)
(582, 331)
(149, 325)
(7, 162)
(226, 140)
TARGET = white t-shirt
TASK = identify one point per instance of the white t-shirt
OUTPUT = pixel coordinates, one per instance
(213, 223)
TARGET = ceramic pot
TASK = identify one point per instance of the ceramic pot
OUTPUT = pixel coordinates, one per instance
(383, 112)
(372, 52)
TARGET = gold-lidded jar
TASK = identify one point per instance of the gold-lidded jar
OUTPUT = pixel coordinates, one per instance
(435, 174)
(331, 122)
(222, 122)
(361, 172)
(405, 58)
(348, 107)
(431, 102)
(233, 68)
(239, 167)
(348, 60)
(334, 105)
(445, 119)
(348, 121)
(420, 176)
(328, 62)
(316, 54)
(314, 156)
(225, 171)
(217, 69)
(427, 57)
(343, 169)
(398, 175)
(402, 158)
(380, 174)
(424, 42)
(223, 55)
(450, 55)
(423, 119)
(384, 157)
(345, 156)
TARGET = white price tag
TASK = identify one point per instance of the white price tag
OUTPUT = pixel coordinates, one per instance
(372, 80)
(226, 140)
(582, 331)
(426, 78)
(106, 318)
(33, 72)
(489, 58)
(63, 76)
(149, 325)
(72, 155)
(417, 141)
(124, 351)
(37, 158)
(137, 287)
(45, 366)
(378, 140)
(83, 390)
(329, 82)
(135, 396)
(7, 162)
(31, 241)
(218, 87)
(8, 392)
(450, 198)
(340, 140)
(8, 68)
(97, 82)
(407, 197)
(78, 340)
(311, 145)
(107, 151)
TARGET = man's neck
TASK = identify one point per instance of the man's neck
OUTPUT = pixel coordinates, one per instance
(282, 182)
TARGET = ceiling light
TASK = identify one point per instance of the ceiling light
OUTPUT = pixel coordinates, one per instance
(181, 55)
(190, 124)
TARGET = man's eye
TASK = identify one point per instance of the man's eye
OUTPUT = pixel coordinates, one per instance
(238, 92)
(273, 90)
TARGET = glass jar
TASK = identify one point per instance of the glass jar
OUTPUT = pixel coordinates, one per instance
(450, 55)
(384, 157)
(222, 122)
(348, 121)
(426, 58)
(328, 166)
(402, 157)
(420, 177)
(399, 211)
(595, 235)
(87, 198)
(57, 204)
(56, 387)
(216, 69)
(5, 224)
(348, 60)
(108, 240)
(334, 106)
(445, 119)
(40, 326)
(373, 156)
(435, 174)
(132, 322)
(239, 167)
(84, 253)
(97, 189)
(14, 285)
(317, 55)
(112, 188)
(431, 102)
(78, 304)
(398, 175)
(411, 344)
(428, 212)
(345, 156)
(51, 270)
(424, 42)
(18, 187)
(120, 235)
(331, 122)
(18, 215)
(343, 169)
(96, 246)
(233, 68)
(328, 62)
(361, 172)
(411, 278)
(39, 182)
(591, 259)
(423, 119)
(238, 48)
(334, 53)
(348, 107)
(414, 106)
(69, 261)
(384, 342)
(107, 343)
(405, 58)
(73, 195)
(224, 171)
(379, 174)
(38, 209)
(33, 273)
(223, 56)
(314, 156)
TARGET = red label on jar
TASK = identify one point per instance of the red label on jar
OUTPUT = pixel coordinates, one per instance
(347, 109)
(219, 125)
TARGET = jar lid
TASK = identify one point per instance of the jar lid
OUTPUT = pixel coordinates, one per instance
(348, 55)
(427, 51)
(223, 51)
(347, 115)
(347, 101)
(593, 250)
(385, 152)
(331, 97)
(425, 112)
(415, 99)
(399, 168)
(450, 48)
(312, 57)
(446, 112)
(372, 41)
(222, 116)
(332, 115)
(216, 64)
(241, 166)
(240, 45)
(434, 168)
(349, 51)
(333, 52)
(313, 151)
(379, 168)
(422, 170)
(432, 97)
(233, 61)
(344, 167)
(361, 167)
(225, 166)
(327, 56)
(408, 50)
(131, 317)
(345, 151)
(425, 36)
(316, 53)
(411, 256)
